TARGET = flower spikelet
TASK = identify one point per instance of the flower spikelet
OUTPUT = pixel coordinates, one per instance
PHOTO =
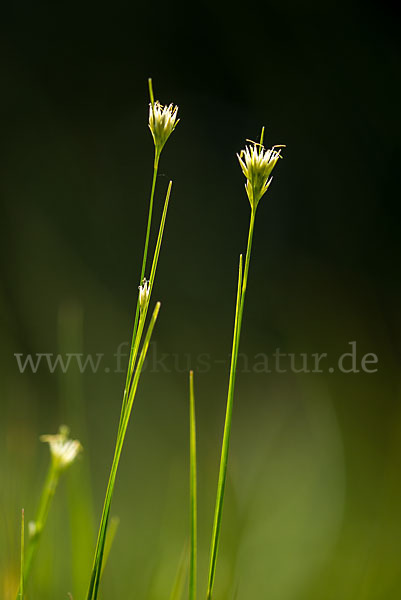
(162, 122)
(144, 291)
(257, 163)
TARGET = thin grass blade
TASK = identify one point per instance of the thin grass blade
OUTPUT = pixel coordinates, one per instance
(100, 546)
(138, 327)
(111, 534)
(21, 581)
(226, 439)
(193, 491)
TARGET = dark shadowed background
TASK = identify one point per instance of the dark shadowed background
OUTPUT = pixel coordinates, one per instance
(313, 501)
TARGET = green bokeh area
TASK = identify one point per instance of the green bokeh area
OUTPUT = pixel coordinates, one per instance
(312, 506)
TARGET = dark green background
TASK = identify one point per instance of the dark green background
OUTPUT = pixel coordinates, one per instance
(313, 500)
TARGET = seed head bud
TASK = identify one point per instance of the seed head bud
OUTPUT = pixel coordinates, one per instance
(144, 291)
(257, 163)
(63, 450)
(162, 122)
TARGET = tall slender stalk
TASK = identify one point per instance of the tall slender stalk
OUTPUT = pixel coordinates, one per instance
(133, 377)
(193, 491)
(114, 523)
(241, 292)
(99, 551)
(138, 327)
(162, 122)
(131, 361)
(257, 164)
(143, 267)
(46, 498)
(21, 581)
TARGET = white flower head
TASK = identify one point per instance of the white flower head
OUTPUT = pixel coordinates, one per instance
(162, 122)
(63, 450)
(257, 163)
(144, 291)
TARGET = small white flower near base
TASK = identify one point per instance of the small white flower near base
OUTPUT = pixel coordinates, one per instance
(63, 450)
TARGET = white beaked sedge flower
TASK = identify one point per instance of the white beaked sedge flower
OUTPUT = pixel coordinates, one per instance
(257, 163)
(63, 450)
(162, 122)
(144, 291)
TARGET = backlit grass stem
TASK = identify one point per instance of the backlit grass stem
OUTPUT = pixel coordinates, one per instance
(166, 128)
(144, 257)
(241, 292)
(36, 527)
(257, 165)
(193, 491)
(138, 329)
(21, 581)
(162, 122)
(99, 552)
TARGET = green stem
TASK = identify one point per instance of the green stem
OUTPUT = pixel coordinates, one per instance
(131, 361)
(152, 195)
(21, 581)
(112, 531)
(129, 393)
(46, 498)
(241, 291)
(193, 490)
(99, 551)
(246, 270)
(138, 330)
